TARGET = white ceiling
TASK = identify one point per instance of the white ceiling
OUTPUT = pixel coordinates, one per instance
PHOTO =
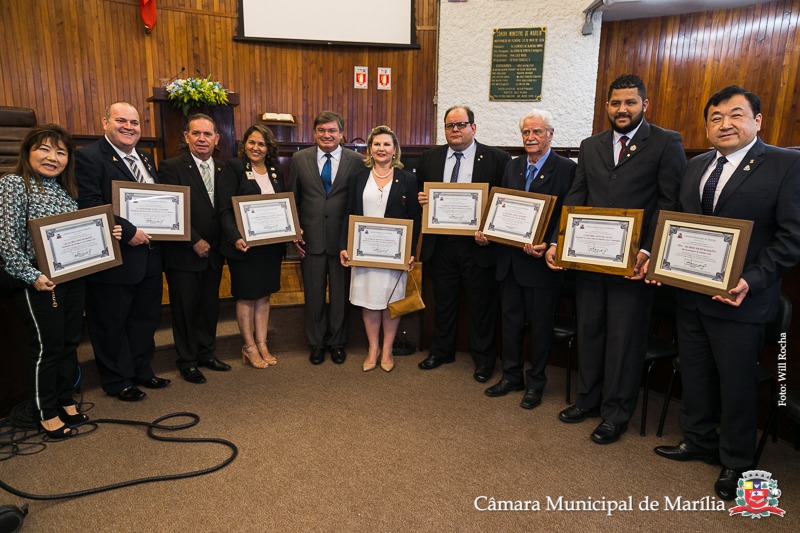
(634, 9)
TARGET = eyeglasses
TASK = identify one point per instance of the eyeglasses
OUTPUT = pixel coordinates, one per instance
(453, 125)
(331, 131)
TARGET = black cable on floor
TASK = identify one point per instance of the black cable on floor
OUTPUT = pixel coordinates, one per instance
(17, 444)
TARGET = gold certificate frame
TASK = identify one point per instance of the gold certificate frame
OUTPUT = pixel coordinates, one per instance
(76, 244)
(699, 253)
(517, 218)
(454, 208)
(599, 239)
(266, 218)
(161, 211)
(379, 242)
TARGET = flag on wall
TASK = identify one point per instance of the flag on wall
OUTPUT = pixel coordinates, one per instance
(148, 8)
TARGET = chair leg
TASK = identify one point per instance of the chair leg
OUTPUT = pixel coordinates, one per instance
(645, 398)
(666, 404)
(763, 440)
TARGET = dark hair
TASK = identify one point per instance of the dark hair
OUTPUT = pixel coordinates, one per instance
(37, 136)
(269, 138)
(470, 114)
(383, 130)
(329, 116)
(628, 81)
(729, 92)
(200, 116)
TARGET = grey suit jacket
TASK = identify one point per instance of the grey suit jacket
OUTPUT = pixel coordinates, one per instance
(765, 189)
(321, 216)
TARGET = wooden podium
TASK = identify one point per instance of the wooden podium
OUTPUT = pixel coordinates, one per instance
(171, 122)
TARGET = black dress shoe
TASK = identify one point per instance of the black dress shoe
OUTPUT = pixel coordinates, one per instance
(131, 394)
(215, 364)
(154, 383)
(483, 373)
(338, 355)
(503, 387)
(608, 432)
(574, 414)
(317, 355)
(531, 399)
(728, 482)
(435, 361)
(686, 452)
(193, 375)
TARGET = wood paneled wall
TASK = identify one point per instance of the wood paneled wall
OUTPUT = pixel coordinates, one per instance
(685, 59)
(67, 60)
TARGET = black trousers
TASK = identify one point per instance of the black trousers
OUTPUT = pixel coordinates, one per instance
(451, 269)
(194, 303)
(53, 337)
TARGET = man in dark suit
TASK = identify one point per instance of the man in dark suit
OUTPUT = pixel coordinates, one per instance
(319, 177)
(194, 268)
(635, 165)
(123, 304)
(530, 290)
(720, 339)
(456, 262)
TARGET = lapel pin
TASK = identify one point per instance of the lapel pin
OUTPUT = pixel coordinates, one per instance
(633, 148)
(541, 177)
(114, 158)
(747, 167)
(752, 161)
(274, 176)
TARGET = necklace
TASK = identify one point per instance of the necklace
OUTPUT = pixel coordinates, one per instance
(384, 176)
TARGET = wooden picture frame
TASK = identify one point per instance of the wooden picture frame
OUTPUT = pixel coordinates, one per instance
(267, 218)
(162, 211)
(517, 218)
(379, 242)
(468, 201)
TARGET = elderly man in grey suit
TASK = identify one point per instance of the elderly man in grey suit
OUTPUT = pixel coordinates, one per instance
(319, 178)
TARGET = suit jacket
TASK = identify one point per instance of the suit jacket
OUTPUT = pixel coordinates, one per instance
(401, 203)
(648, 178)
(96, 166)
(554, 178)
(321, 216)
(765, 189)
(182, 170)
(488, 168)
(234, 182)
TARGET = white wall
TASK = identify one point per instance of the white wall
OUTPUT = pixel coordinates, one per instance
(569, 73)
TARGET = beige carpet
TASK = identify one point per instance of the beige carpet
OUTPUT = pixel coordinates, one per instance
(330, 448)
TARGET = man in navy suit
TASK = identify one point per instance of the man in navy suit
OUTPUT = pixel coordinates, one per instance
(530, 290)
(456, 262)
(720, 339)
(194, 268)
(634, 165)
(123, 304)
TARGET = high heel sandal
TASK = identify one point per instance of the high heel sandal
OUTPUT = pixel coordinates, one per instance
(72, 420)
(254, 361)
(265, 355)
(64, 432)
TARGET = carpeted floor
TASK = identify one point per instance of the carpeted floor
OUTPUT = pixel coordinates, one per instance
(331, 448)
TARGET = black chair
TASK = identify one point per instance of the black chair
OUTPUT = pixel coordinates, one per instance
(566, 325)
(659, 348)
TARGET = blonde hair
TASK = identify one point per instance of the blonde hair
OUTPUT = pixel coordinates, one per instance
(383, 130)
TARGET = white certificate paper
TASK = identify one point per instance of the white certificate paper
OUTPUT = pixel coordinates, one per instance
(380, 243)
(153, 212)
(76, 245)
(697, 253)
(267, 219)
(513, 218)
(455, 209)
(598, 240)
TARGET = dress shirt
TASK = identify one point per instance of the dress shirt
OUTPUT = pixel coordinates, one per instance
(148, 178)
(537, 167)
(618, 146)
(336, 157)
(467, 164)
(734, 160)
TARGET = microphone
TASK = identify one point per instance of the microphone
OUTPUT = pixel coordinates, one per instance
(175, 76)
(197, 70)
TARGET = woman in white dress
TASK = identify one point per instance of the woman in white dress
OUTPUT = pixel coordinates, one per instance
(381, 189)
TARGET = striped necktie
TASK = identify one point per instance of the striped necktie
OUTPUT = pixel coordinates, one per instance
(711, 186)
(456, 167)
(134, 168)
(205, 172)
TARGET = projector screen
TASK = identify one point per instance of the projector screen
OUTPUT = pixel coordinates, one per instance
(334, 22)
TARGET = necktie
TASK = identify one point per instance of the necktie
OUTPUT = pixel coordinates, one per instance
(529, 177)
(711, 186)
(326, 174)
(456, 167)
(623, 142)
(134, 168)
(205, 172)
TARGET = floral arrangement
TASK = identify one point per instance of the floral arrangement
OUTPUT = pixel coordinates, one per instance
(192, 92)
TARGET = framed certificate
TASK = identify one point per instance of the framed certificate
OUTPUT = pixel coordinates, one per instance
(517, 217)
(76, 244)
(699, 253)
(266, 218)
(161, 211)
(454, 208)
(599, 239)
(379, 242)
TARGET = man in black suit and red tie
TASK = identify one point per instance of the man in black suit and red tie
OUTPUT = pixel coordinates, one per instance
(634, 165)
(123, 304)
(454, 263)
(194, 268)
(720, 339)
(530, 290)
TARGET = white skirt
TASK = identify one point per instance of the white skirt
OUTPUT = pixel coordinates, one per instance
(370, 287)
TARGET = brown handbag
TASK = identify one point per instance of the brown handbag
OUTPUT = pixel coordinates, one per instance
(412, 302)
